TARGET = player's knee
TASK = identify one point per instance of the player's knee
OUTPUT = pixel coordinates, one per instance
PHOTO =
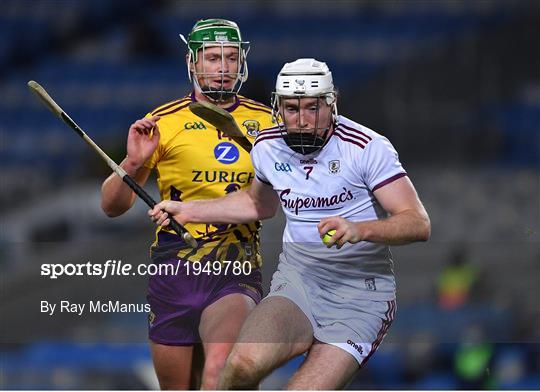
(241, 364)
(241, 367)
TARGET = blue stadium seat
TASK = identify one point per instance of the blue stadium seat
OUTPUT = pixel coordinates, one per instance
(437, 381)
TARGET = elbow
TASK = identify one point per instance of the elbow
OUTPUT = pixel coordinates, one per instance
(425, 231)
(112, 205)
(266, 212)
(425, 234)
(262, 205)
(110, 212)
(106, 202)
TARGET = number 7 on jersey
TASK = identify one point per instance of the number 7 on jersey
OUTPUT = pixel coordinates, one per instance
(308, 170)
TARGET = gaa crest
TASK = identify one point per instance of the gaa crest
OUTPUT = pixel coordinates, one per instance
(370, 284)
(252, 127)
(334, 166)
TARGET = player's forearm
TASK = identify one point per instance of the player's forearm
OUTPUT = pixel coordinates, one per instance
(116, 196)
(399, 229)
(237, 207)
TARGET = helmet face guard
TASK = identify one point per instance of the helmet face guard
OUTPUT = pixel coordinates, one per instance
(299, 138)
(222, 34)
(297, 81)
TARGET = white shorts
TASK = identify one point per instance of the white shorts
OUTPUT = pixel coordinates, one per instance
(355, 325)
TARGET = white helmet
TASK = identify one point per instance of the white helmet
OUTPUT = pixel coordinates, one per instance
(304, 77)
(299, 79)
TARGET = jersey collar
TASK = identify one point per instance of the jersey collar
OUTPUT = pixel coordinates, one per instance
(229, 109)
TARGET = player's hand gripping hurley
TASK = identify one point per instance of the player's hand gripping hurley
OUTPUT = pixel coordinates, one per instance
(57, 110)
(222, 120)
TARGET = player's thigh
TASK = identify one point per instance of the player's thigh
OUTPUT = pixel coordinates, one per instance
(219, 328)
(222, 320)
(326, 367)
(276, 331)
(172, 365)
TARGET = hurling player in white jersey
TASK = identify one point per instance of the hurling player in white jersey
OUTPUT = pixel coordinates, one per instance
(328, 173)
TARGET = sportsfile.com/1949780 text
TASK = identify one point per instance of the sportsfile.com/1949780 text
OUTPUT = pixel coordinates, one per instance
(120, 268)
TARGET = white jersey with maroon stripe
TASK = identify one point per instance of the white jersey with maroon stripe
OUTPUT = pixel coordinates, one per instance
(338, 180)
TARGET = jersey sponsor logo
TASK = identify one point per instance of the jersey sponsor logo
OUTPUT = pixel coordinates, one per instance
(194, 125)
(334, 166)
(311, 161)
(313, 203)
(355, 346)
(284, 167)
(226, 153)
(252, 127)
(210, 176)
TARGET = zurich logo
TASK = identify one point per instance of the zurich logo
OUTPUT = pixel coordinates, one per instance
(226, 153)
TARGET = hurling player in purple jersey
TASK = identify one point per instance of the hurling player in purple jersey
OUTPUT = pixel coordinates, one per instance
(195, 315)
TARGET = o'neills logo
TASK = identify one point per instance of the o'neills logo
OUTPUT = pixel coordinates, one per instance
(308, 203)
(356, 346)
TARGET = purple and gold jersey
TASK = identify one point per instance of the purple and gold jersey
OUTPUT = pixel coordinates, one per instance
(196, 161)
